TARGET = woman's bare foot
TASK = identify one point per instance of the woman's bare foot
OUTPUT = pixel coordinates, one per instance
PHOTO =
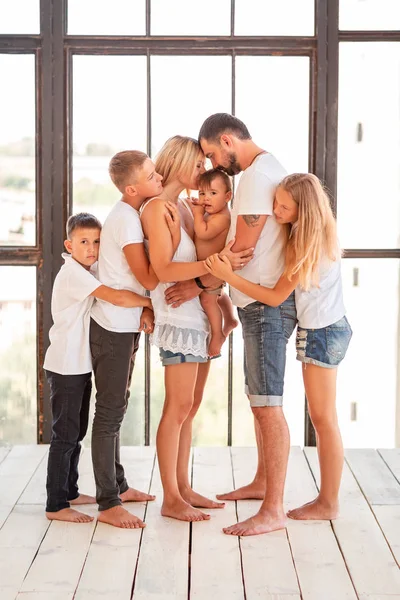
(83, 499)
(316, 510)
(229, 325)
(260, 523)
(253, 491)
(216, 342)
(119, 517)
(132, 495)
(195, 499)
(69, 514)
(182, 511)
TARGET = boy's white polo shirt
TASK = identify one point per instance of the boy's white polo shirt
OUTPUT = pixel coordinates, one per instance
(121, 228)
(69, 350)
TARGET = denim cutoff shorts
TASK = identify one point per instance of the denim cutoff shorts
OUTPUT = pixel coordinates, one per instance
(325, 347)
(266, 331)
(176, 358)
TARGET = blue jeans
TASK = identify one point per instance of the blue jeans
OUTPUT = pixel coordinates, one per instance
(266, 331)
(325, 347)
(70, 400)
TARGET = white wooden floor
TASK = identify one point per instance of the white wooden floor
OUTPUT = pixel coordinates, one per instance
(356, 556)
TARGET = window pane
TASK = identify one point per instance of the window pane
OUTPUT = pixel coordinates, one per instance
(180, 17)
(177, 105)
(105, 121)
(368, 377)
(19, 16)
(369, 14)
(17, 150)
(268, 17)
(18, 405)
(102, 17)
(276, 117)
(369, 145)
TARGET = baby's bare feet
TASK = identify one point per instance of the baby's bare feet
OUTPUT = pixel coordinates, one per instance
(119, 517)
(70, 515)
(132, 495)
(229, 325)
(216, 342)
(83, 499)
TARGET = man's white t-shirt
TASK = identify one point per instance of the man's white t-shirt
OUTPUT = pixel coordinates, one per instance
(121, 228)
(69, 351)
(255, 196)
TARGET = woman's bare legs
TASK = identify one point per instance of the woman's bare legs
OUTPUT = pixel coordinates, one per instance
(320, 386)
(185, 443)
(179, 391)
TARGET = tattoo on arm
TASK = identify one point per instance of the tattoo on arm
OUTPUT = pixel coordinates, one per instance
(251, 220)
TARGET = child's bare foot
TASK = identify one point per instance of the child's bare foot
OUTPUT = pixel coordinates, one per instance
(182, 511)
(119, 517)
(315, 510)
(83, 499)
(216, 342)
(253, 491)
(260, 523)
(229, 325)
(69, 514)
(195, 499)
(132, 495)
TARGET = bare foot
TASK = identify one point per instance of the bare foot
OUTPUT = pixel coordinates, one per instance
(253, 491)
(119, 517)
(260, 523)
(229, 325)
(83, 499)
(182, 511)
(195, 499)
(315, 510)
(69, 514)
(132, 495)
(215, 345)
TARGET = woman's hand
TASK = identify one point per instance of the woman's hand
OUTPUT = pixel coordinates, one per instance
(219, 267)
(147, 321)
(237, 259)
(174, 223)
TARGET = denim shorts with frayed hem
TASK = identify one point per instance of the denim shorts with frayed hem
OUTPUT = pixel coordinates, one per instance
(266, 331)
(325, 347)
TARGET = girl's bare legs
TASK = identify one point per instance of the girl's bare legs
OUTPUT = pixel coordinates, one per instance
(226, 306)
(185, 442)
(214, 315)
(320, 386)
(179, 390)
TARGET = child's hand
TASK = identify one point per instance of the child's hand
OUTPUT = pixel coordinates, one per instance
(237, 259)
(174, 223)
(219, 267)
(196, 205)
(147, 321)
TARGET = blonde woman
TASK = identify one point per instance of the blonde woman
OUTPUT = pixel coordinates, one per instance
(312, 268)
(181, 333)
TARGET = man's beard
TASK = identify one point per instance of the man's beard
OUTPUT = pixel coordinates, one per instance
(233, 167)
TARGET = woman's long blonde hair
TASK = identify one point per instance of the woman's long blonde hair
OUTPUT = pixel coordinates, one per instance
(313, 236)
(177, 158)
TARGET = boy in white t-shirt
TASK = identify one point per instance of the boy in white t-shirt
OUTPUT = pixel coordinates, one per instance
(68, 363)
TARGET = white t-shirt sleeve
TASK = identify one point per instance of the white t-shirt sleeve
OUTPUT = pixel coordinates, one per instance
(129, 231)
(257, 195)
(81, 283)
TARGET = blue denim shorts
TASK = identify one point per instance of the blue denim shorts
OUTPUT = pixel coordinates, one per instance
(266, 331)
(325, 347)
(176, 358)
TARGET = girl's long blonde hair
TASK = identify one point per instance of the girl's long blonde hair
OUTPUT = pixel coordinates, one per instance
(177, 158)
(313, 236)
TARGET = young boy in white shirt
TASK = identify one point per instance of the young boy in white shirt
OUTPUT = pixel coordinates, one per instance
(68, 363)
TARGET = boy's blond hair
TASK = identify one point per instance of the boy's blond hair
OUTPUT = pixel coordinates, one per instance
(177, 157)
(124, 166)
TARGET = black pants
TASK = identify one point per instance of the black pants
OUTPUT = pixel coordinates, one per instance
(113, 357)
(70, 401)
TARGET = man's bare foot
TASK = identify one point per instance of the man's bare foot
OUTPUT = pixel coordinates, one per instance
(260, 523)
(119, 517)
(195, 499)
(215, 345)
(83, 499)
(69, 514)
(229, 325)
(253, 491)
(182, 511)
(315, 510)
(132, 495)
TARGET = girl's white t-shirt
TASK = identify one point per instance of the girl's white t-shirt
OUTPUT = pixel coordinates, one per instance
(69, 351)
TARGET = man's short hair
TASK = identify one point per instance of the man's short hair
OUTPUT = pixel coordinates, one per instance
(81, 221)
(206, 179)
(220, 123)
(124, 167)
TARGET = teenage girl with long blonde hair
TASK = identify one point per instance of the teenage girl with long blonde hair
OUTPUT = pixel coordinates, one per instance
(312, 269)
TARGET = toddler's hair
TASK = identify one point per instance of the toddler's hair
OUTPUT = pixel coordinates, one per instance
(124, 166)
(206, 179)
(81, 221)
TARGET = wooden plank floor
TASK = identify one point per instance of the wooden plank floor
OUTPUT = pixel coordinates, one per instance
(354, 557)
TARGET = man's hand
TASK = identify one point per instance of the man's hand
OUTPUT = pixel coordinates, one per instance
(237, 259)
(147, 321)
(182, 292)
